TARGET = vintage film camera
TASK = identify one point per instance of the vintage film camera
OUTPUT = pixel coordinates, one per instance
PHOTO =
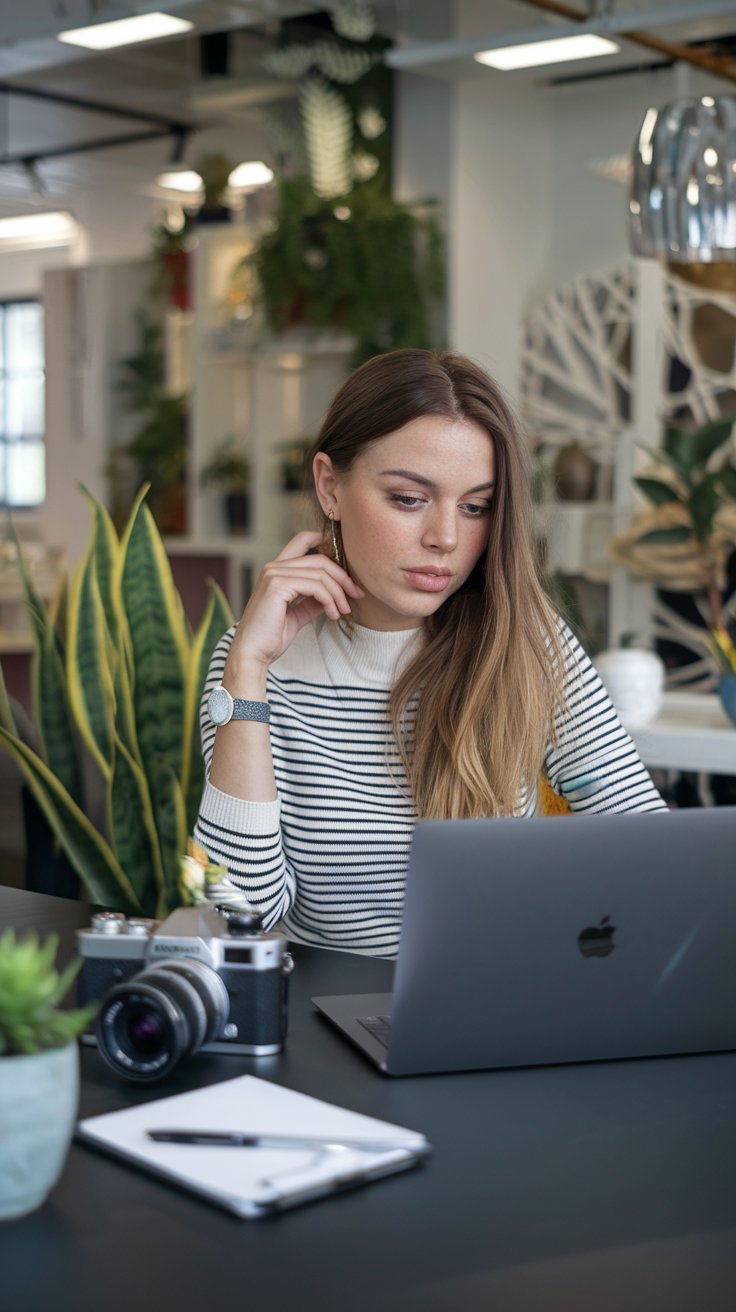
(206, 978)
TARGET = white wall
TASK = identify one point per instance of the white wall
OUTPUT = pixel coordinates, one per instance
(499, 222)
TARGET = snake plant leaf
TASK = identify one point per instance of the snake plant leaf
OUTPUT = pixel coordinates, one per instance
(50, 697)
(34, 604)
(106, 550)
(156, 633)
(655, 491)
(217, 618)
(89, 678)
(90, 855)
(133, 829)
(124, 709)
(7, 719)
(171, 825)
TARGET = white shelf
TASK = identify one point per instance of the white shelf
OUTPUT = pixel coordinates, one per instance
(577, 535)
(692, 732)
(235, 547)
(15, 644)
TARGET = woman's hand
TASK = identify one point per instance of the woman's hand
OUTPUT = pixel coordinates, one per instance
(291, 590)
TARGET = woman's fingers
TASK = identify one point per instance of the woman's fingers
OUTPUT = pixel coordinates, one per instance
(295, 587)
(312, 562)
(310, 583)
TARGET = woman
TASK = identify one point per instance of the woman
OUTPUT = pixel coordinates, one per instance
(409, 661)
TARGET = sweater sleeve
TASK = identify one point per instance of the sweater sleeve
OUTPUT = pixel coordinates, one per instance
(594, 764)
(244, 836)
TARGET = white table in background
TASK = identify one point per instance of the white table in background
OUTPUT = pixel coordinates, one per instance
(691, 732)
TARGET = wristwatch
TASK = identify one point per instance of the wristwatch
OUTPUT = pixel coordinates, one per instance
(222, 708)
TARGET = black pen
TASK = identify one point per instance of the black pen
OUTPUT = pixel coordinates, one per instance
(236, 1139)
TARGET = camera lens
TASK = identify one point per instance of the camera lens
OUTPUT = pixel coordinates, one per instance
(145, 1030)
(145, 1025)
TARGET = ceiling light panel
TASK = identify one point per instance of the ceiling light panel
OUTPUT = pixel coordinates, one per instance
(558, 50)
(46, 228)
(126, 31)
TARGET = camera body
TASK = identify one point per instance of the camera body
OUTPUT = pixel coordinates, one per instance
(206, 978)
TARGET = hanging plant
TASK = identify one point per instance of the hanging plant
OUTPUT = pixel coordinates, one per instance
(366, 265)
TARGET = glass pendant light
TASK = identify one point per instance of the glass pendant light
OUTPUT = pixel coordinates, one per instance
(682, 204)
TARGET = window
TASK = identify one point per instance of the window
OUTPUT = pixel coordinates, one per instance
(22, 454)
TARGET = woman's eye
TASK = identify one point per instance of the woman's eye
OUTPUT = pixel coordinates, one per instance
(476, 509)
(409, 502)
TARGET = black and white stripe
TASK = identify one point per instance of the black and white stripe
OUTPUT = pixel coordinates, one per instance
(330, 856)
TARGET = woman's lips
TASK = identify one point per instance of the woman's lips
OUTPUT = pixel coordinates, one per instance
(427, 581)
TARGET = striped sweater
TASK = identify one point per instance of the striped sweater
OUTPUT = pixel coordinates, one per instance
(329, 856)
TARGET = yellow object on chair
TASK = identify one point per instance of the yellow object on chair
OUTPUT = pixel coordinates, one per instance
(550, 802)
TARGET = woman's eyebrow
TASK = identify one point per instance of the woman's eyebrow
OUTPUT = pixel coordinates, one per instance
(427, 482)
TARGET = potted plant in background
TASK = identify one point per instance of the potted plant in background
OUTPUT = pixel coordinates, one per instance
(296, 482)
(171, 253)
(214, 169)
(158, 449)
(39, 1071)
(117, 681)
(229, 472)
(683, 543)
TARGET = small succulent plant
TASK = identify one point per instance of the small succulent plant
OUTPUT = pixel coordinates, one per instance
(30, 991)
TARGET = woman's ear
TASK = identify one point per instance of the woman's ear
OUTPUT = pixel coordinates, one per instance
(325, 482)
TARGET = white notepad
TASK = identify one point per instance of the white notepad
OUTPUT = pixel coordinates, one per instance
(253, 1182)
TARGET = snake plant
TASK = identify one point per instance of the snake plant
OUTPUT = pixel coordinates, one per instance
(117, 676)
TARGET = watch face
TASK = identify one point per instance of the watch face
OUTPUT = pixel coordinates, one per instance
(220, 706)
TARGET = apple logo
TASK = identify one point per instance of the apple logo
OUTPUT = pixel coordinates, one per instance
(597, 940)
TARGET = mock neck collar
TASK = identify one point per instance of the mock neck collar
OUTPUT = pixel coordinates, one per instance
(372, 656)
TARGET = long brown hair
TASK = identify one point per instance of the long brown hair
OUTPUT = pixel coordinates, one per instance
(473, 711)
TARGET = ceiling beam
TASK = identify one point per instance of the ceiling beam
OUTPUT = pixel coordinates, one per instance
(722, 65)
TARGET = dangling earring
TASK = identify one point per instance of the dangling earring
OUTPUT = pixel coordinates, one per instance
(335, 545)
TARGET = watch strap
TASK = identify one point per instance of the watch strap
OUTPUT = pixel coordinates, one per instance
(245, 710)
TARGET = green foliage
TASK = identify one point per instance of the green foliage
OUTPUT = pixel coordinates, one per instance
(128, 680)
(697, 482)
(293, 464)
(214, 169)
(366, 265)
(30, 992)
(687, 455)
(228, 469)
(159, 447)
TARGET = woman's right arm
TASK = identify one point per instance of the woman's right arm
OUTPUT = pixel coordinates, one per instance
(239, 818)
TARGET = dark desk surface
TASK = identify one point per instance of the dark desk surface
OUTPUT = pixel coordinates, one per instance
(605, 1186)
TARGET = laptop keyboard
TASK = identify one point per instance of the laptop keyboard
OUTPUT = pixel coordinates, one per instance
(378, 1026)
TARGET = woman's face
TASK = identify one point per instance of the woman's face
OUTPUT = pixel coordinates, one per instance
(414, 510)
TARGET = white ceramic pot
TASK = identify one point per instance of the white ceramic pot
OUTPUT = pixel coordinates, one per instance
(39, 1096)
(634, 679)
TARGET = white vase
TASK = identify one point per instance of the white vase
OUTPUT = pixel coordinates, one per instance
(39, 1096)
(634, 679)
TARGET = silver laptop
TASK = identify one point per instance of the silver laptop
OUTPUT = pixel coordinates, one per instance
(525, 942)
